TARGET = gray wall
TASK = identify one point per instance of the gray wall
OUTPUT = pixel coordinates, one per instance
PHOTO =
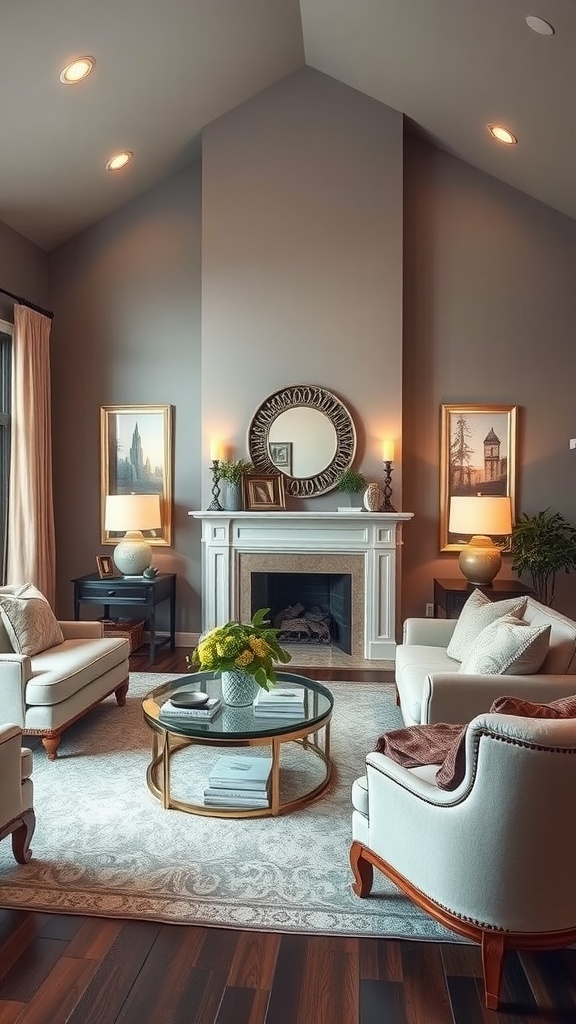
(23, 271)
(302, 261)
(126, 295)
(489, 317)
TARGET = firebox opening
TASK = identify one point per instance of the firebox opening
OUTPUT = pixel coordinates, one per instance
(325, 600)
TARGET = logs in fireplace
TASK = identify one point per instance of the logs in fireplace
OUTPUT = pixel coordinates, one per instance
(303, 625)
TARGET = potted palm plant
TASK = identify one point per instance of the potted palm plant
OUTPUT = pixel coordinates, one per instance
(542, 545)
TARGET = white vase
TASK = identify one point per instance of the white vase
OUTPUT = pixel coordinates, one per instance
(238, 688)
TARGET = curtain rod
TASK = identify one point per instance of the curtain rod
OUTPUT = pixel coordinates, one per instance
(26, 302)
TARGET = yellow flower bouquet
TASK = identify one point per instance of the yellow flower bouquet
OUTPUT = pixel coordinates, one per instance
(248, 647)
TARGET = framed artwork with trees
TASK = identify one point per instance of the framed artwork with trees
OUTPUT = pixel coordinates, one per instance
(477, 456)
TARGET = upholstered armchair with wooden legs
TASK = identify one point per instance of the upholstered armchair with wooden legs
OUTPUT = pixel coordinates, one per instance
(492, 859)
(16, 810)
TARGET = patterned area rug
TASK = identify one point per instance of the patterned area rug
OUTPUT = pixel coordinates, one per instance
(104, 846)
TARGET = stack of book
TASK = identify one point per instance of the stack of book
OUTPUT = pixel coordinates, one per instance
(279, 702)
(239, 781)
(206, 712)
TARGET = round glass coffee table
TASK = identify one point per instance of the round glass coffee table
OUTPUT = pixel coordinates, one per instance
(240, 727)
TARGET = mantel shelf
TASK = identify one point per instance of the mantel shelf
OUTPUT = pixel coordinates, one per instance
(330, 514)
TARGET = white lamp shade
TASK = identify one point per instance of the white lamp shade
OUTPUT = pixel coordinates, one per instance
(480, 514)
(132, 512)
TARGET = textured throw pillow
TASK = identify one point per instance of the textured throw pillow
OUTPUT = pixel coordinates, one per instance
(29, 621)
(564, 707)
(478, 612)
(508, 646)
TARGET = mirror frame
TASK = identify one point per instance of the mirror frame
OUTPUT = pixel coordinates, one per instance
(312, 397)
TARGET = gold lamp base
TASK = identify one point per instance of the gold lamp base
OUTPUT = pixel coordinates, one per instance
(480, 561)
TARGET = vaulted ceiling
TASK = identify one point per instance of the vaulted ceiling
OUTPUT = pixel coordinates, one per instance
(164, 70)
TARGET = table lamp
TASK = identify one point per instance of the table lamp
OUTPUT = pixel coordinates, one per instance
(130, 514)
(484, 517)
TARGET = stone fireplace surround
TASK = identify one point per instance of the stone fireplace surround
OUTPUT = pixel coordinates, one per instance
(363, 544)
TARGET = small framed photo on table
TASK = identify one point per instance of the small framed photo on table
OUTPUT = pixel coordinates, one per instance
(264, 493)
(105, 566)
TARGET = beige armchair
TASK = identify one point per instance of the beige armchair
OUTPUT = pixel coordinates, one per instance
(16, 806)
(494, 858)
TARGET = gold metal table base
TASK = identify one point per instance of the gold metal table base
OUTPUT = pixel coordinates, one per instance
(165, 744)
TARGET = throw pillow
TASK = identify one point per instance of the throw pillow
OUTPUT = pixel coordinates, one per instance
(418, 745)
(478, 612)
(508, 646)
(29, 620)
(564, 707)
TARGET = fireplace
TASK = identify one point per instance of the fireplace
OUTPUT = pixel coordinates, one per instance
(328, 582)
(358, 551)
(307, 608)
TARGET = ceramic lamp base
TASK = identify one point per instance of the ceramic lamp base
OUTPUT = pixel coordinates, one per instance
(133, 554)
(480, 561)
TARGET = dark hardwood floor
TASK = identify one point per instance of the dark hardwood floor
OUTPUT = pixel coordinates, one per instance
(82, 970)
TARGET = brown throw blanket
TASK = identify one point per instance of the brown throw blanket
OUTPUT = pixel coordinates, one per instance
(444, 744)
(428, 744)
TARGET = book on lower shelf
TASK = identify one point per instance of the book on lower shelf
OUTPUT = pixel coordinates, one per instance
(247, 802)
(235, 798)
(240, 772)
(280, 702)
(206, 712)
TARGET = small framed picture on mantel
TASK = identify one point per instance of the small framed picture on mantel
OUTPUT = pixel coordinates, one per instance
(264, 493)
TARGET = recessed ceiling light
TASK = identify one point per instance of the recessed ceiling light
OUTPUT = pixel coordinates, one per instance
(497, 131)
(543, 28)
(77, 70)
(119, 160)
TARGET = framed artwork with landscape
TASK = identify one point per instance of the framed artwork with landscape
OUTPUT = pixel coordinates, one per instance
(264, 493)
(477, 456)
(136, 458)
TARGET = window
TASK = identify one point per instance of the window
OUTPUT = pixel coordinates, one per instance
(5, 421)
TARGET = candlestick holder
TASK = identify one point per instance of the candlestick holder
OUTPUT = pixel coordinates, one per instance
(215, 505)
(387, 506)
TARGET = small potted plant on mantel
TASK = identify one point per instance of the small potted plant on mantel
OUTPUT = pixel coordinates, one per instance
(352, 483)
(232, 471)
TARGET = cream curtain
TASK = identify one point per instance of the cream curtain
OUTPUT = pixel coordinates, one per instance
(31, 543)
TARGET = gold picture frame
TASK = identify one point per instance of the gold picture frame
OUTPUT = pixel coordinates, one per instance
(136, 458)
(477, 456)
(264, 493)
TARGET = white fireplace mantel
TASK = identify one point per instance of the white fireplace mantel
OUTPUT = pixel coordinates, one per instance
(374, 536)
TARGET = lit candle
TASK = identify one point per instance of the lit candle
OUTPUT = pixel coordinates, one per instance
(215, 451)
(388, 451)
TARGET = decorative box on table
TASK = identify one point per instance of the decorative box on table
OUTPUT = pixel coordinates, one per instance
(131, 629)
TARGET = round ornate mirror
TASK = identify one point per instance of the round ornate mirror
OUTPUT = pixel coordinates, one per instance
(306, 433)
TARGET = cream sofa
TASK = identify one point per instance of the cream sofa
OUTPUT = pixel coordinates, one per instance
(431, 689)
(45, 693)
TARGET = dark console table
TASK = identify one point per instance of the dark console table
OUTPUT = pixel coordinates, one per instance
(131, 591)
(450, 596)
